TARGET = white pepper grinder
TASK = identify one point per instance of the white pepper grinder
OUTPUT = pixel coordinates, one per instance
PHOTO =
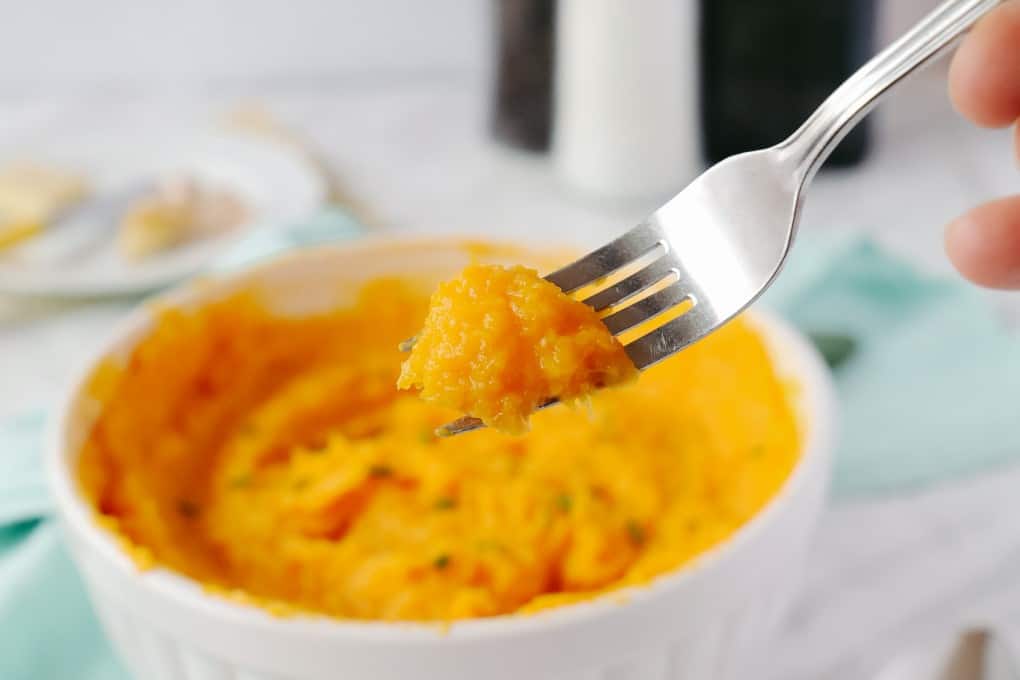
(625, 107)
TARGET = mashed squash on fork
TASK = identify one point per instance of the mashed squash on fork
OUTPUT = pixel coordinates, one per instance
(499, 342)
(272, 457)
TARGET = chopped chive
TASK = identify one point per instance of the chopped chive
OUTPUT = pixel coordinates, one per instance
(187, 508)
(379, 471)
(485, 545)
(240, 481)
(564, 502)
(635, 532)
(445, 503)
(441, 562)
(757, 451)
(317, 446)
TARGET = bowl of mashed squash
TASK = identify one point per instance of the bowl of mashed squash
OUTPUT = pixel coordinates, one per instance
(247, 492)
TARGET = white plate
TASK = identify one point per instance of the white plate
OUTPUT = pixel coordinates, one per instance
(276, 185)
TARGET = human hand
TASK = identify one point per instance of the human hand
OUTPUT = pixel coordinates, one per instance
(984, 85)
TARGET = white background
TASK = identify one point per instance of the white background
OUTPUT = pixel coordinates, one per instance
(89, 43)
(52, 45)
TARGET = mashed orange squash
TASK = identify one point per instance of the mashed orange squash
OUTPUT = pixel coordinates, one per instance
(499, 342)
(272, 458)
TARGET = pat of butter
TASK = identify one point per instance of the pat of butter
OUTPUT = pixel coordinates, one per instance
(36, 193)
(13, 232)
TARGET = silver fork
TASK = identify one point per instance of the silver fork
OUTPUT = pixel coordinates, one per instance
(724, 238)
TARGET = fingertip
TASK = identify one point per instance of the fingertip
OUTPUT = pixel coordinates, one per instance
(982, 77)
(984, 244)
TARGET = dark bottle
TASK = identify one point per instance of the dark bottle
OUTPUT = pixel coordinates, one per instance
(767, 64)
(522, 106)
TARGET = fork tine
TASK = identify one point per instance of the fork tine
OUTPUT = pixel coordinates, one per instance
(634, 284)
(648, 308)
(670, 337)
(608, 258)
(459, 426)
(468, 423)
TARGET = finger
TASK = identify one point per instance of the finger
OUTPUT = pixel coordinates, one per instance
(984, 244)
(983, 80)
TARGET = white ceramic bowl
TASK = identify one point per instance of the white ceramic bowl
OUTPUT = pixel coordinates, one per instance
(710, 619)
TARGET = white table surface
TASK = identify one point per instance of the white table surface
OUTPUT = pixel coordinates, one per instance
(884, 572)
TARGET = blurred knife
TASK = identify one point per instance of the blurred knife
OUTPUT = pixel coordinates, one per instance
(974, 654)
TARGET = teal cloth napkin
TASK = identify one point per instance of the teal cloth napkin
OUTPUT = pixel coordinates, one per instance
(927, 382)
(930, 392)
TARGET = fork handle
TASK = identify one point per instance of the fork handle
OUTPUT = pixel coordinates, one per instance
(812, 143)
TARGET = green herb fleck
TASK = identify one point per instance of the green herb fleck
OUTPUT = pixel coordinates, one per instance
(441, 562)
(240, 481)
(379, 471)
(445, 503)
(188, 509)
(635, 532)
(487, 544)
(317, 446)
(301, 483)
(757, 451)
(564, 502)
